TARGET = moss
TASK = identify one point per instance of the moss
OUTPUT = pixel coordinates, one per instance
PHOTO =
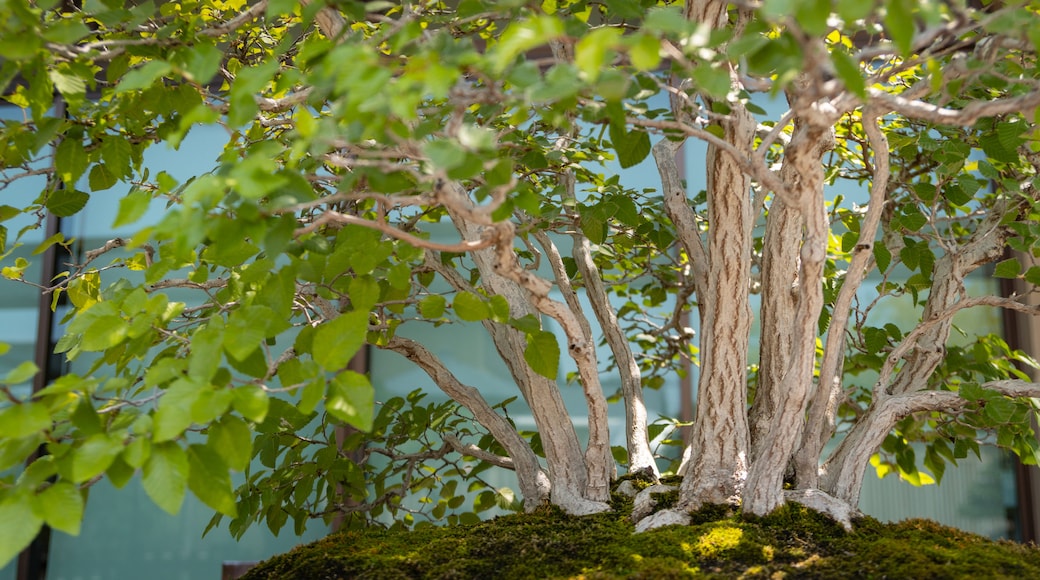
(794, 542)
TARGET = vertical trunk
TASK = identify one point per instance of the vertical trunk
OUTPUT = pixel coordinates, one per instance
(781, 430)
(718, 445)
(823, 407)
(779, 299)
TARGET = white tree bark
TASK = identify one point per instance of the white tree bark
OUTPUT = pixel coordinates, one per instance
(637, 440)
(781, 429)
(821, 419)
(719, 438)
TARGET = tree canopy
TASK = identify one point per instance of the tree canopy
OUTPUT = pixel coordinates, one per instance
(391, 166)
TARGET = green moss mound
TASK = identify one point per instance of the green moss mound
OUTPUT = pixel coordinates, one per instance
(794, 542)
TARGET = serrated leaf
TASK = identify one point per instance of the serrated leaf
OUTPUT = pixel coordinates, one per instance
(61, 506)
(594, 51)
(165, 476)
(631, 146)
(543, 354)
(351, 399)
(644, 51)
(143, 77)
(470, 307)
(101, 178)
(252, 402)
(899, 22)
(21, 373)
(232, 439)
(94, 456)
(132, 207)
(999, 409)
(849, 73)
(338, 340)
(1032, 275)
(1009, 268)
(70, 161)
(66, 202)
(18, 527)
(116, 153)
(104, 332)
(432, 306)
(246, 329)
(209, 480)
(67, 84)
(715, 81)
(23, 420)
(174, 413)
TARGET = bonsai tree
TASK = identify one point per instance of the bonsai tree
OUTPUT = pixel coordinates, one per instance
(397, 166)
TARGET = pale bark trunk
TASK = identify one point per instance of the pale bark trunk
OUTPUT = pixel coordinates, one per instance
(637, 440)
(823, 408)
(783, 429)
(568, 468)
(718, 443)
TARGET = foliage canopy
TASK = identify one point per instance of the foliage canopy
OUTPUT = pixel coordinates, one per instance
(392, 166)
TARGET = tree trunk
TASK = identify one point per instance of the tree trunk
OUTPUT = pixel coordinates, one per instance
(781, 430)
(718, 446)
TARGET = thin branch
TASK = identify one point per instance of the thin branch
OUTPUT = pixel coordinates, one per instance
(336, 218)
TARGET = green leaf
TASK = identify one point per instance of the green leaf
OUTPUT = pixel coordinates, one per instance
(445, 154)
(543, 354)
(70, 161)
(251, 402)
(23, 420)
(999, 409)
(67, 83)
(364, 292)
(210, 481)
(137, 452)
(21, 373)
(852, 10)
(61, 507)
(899, 21)
(1009, 268)
(117, 152)
(165, 476)
(144, 77)
(206, 350)
(595, 50)
(66, 202)
(132, 207)
(631, 146)
(101, 178)
(246, 329)
(713, 80)
(849, 73)
(174, 413)
(644, 51)
(470, 307)
(104, 332)
(523, 35)
(18, 527)
(94, 456)
(432, 306)
(311, 395)
(232, 439)
(351, 399)
(338, 340)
